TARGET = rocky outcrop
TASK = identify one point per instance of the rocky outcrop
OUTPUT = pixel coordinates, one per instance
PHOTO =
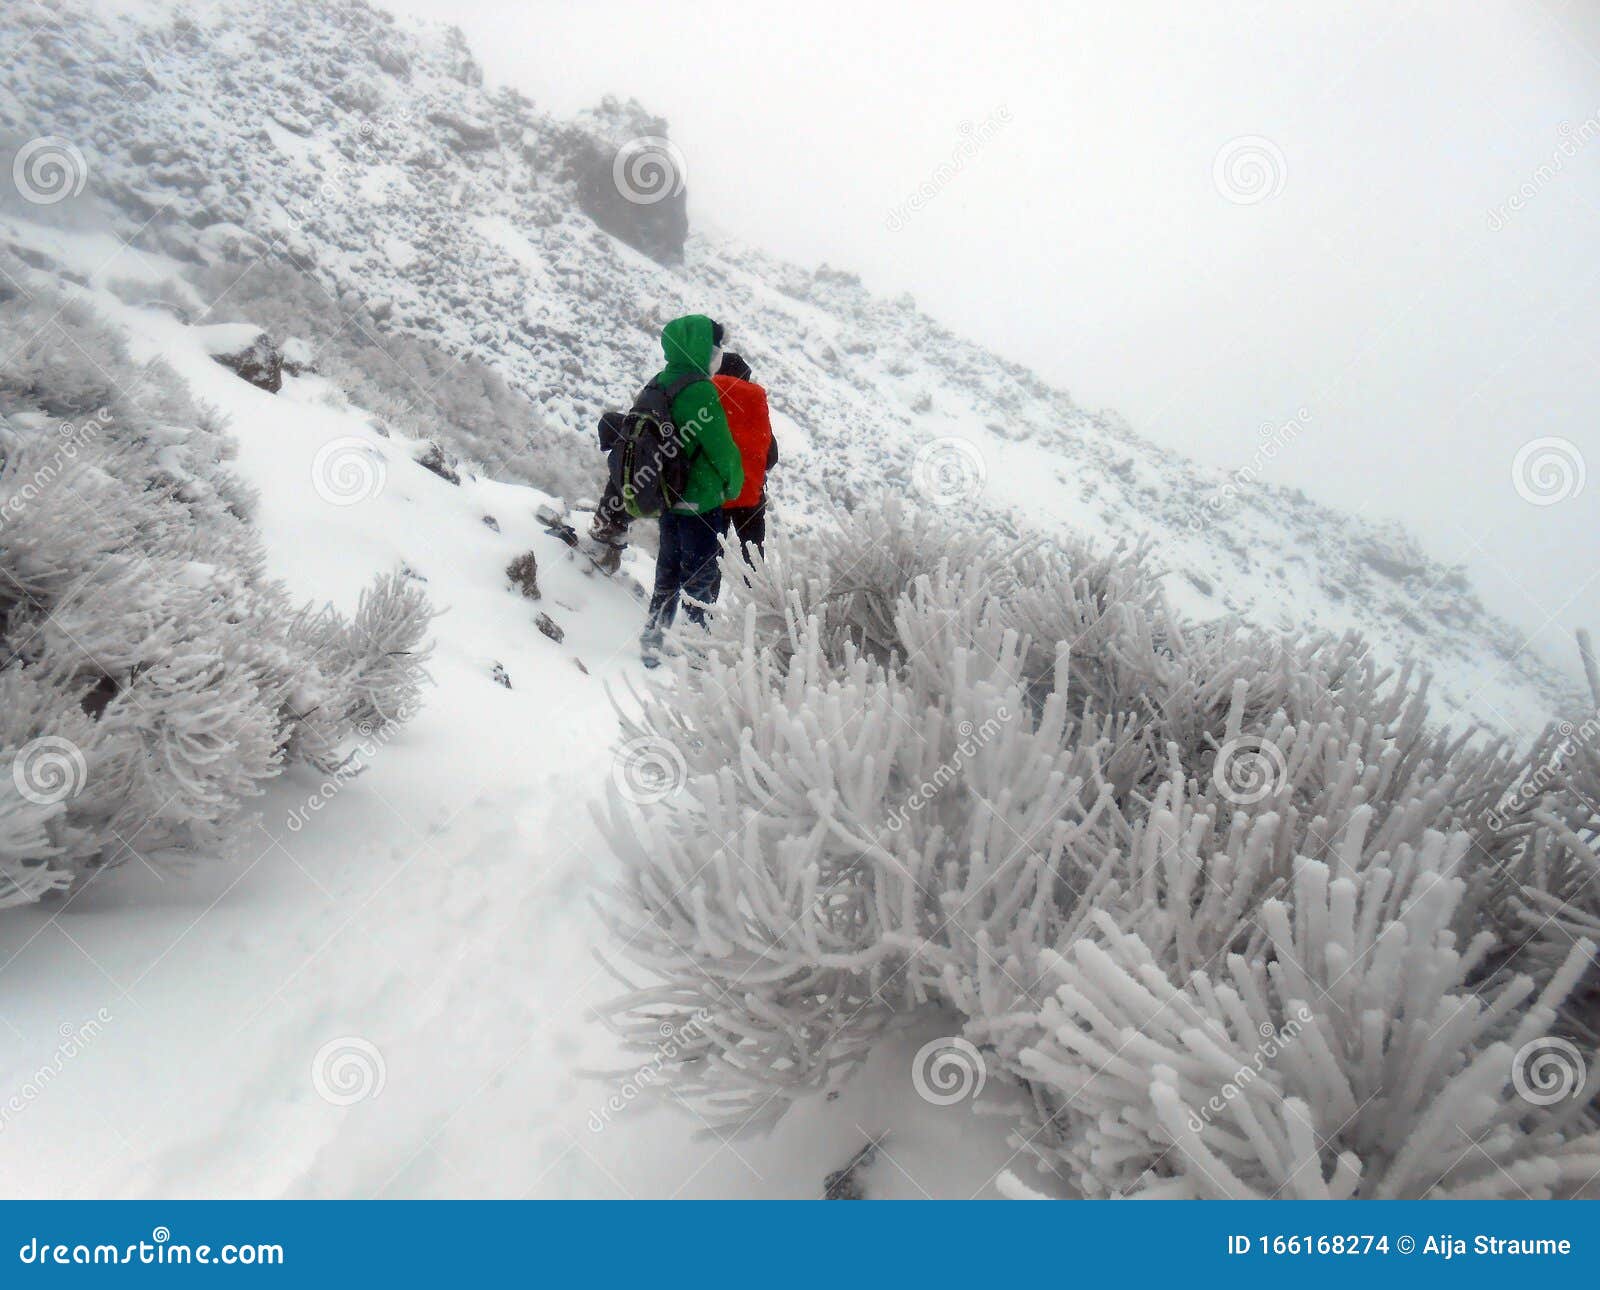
(630, 179)
(245, 349)
(466, 133)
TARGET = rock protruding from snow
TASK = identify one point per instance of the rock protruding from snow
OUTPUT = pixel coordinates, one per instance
(630, 180)
(247, 350)
(468, 133)
(434, 458)
(290, 119)
(845, 1183)
(523, 574)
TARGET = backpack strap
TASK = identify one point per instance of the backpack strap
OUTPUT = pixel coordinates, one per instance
(678, 386)
(671, 391)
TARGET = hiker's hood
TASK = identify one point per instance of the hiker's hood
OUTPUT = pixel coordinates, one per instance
(686, 343)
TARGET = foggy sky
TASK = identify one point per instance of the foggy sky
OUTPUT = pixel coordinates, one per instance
(1380, 278)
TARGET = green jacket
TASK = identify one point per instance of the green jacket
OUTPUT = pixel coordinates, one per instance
(716, 471)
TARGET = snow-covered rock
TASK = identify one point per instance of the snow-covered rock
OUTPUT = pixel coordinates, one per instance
(434, 458)
(245, 349)
(291, 120)
(467, 133)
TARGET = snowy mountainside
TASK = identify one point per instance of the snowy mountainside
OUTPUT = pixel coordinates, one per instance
(334, 141)
(384, 989)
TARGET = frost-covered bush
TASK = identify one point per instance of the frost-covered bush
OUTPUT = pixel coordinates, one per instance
(932, 765)
(419, 387)
(371, 667)
(152, 678)
(1548, 896)
(1348, 1054)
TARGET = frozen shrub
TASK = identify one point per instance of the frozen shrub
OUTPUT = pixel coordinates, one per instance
(152, 679)
(1547, 896)
(926, 765)
(1350, 1056)
(413, 384)
(370, 668)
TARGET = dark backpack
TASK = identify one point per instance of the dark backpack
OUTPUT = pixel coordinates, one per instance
(649, 466)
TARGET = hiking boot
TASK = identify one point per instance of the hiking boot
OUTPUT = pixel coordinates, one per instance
(607, 539)
(608, 531)
(650, 646)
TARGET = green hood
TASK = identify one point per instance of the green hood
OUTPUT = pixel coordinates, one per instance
(716, 472)
(686, 343)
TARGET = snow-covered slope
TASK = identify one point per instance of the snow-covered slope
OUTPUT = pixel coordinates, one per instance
(385, 991)
(335, 142)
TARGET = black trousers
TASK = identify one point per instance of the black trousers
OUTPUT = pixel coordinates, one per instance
(687, 566)
(748, 524)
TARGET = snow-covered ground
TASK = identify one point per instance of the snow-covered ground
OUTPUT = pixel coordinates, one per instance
(384, 991)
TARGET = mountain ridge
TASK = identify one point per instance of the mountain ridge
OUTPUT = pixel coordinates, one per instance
(364, 154)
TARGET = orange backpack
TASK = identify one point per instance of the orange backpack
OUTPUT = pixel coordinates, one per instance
(745, 404)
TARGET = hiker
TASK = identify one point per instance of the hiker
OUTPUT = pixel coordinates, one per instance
(745, 405)
(712, 473)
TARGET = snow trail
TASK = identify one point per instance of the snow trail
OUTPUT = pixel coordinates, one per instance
(385, 990)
